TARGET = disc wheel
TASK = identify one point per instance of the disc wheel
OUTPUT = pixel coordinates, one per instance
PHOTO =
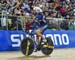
(47, 48)
(27, 46)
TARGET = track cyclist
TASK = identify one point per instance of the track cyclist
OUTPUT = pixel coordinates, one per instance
(41, 22)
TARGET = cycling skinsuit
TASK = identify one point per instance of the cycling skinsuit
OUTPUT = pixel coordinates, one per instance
(41, 21)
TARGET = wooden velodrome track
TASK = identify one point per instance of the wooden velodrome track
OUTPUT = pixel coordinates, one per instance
(58, 54)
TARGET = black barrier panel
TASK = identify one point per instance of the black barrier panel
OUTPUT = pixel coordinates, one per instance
(12, 25)
(15, 23)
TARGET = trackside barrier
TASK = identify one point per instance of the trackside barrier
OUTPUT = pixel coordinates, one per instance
(11, 40)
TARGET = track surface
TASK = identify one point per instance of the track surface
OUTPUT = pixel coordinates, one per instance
(58, 54)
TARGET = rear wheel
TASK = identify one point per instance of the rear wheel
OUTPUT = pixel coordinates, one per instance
(47, 47)
(27, 46)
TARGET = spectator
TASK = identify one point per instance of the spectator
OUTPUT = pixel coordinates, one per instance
(63, 11)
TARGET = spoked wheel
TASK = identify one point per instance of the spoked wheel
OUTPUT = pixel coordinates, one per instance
(47, 47)
(27, 46)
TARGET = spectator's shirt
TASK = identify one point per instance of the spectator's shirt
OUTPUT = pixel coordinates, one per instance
(26, 7)
(28, 26)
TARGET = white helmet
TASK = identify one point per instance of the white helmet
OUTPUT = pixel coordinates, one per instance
(37, 9)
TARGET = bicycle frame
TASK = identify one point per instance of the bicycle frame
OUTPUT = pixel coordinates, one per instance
(31, 34)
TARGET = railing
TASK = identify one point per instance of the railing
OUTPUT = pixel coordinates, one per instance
(59, 23)
(11, 22)
(18, 23)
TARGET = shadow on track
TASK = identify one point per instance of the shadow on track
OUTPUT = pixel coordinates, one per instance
(30, 57)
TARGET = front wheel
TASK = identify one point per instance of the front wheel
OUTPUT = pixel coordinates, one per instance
(27, 46)
(47, 47)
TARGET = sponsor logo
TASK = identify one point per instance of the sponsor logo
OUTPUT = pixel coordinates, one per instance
(56, 38)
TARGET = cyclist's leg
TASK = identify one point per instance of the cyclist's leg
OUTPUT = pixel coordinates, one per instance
(38, 39)
(38, 35)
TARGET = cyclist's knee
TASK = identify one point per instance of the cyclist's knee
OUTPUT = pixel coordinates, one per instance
(38, 32)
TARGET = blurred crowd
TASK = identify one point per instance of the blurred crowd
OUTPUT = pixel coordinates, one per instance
(64, 9)
(51, 8)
